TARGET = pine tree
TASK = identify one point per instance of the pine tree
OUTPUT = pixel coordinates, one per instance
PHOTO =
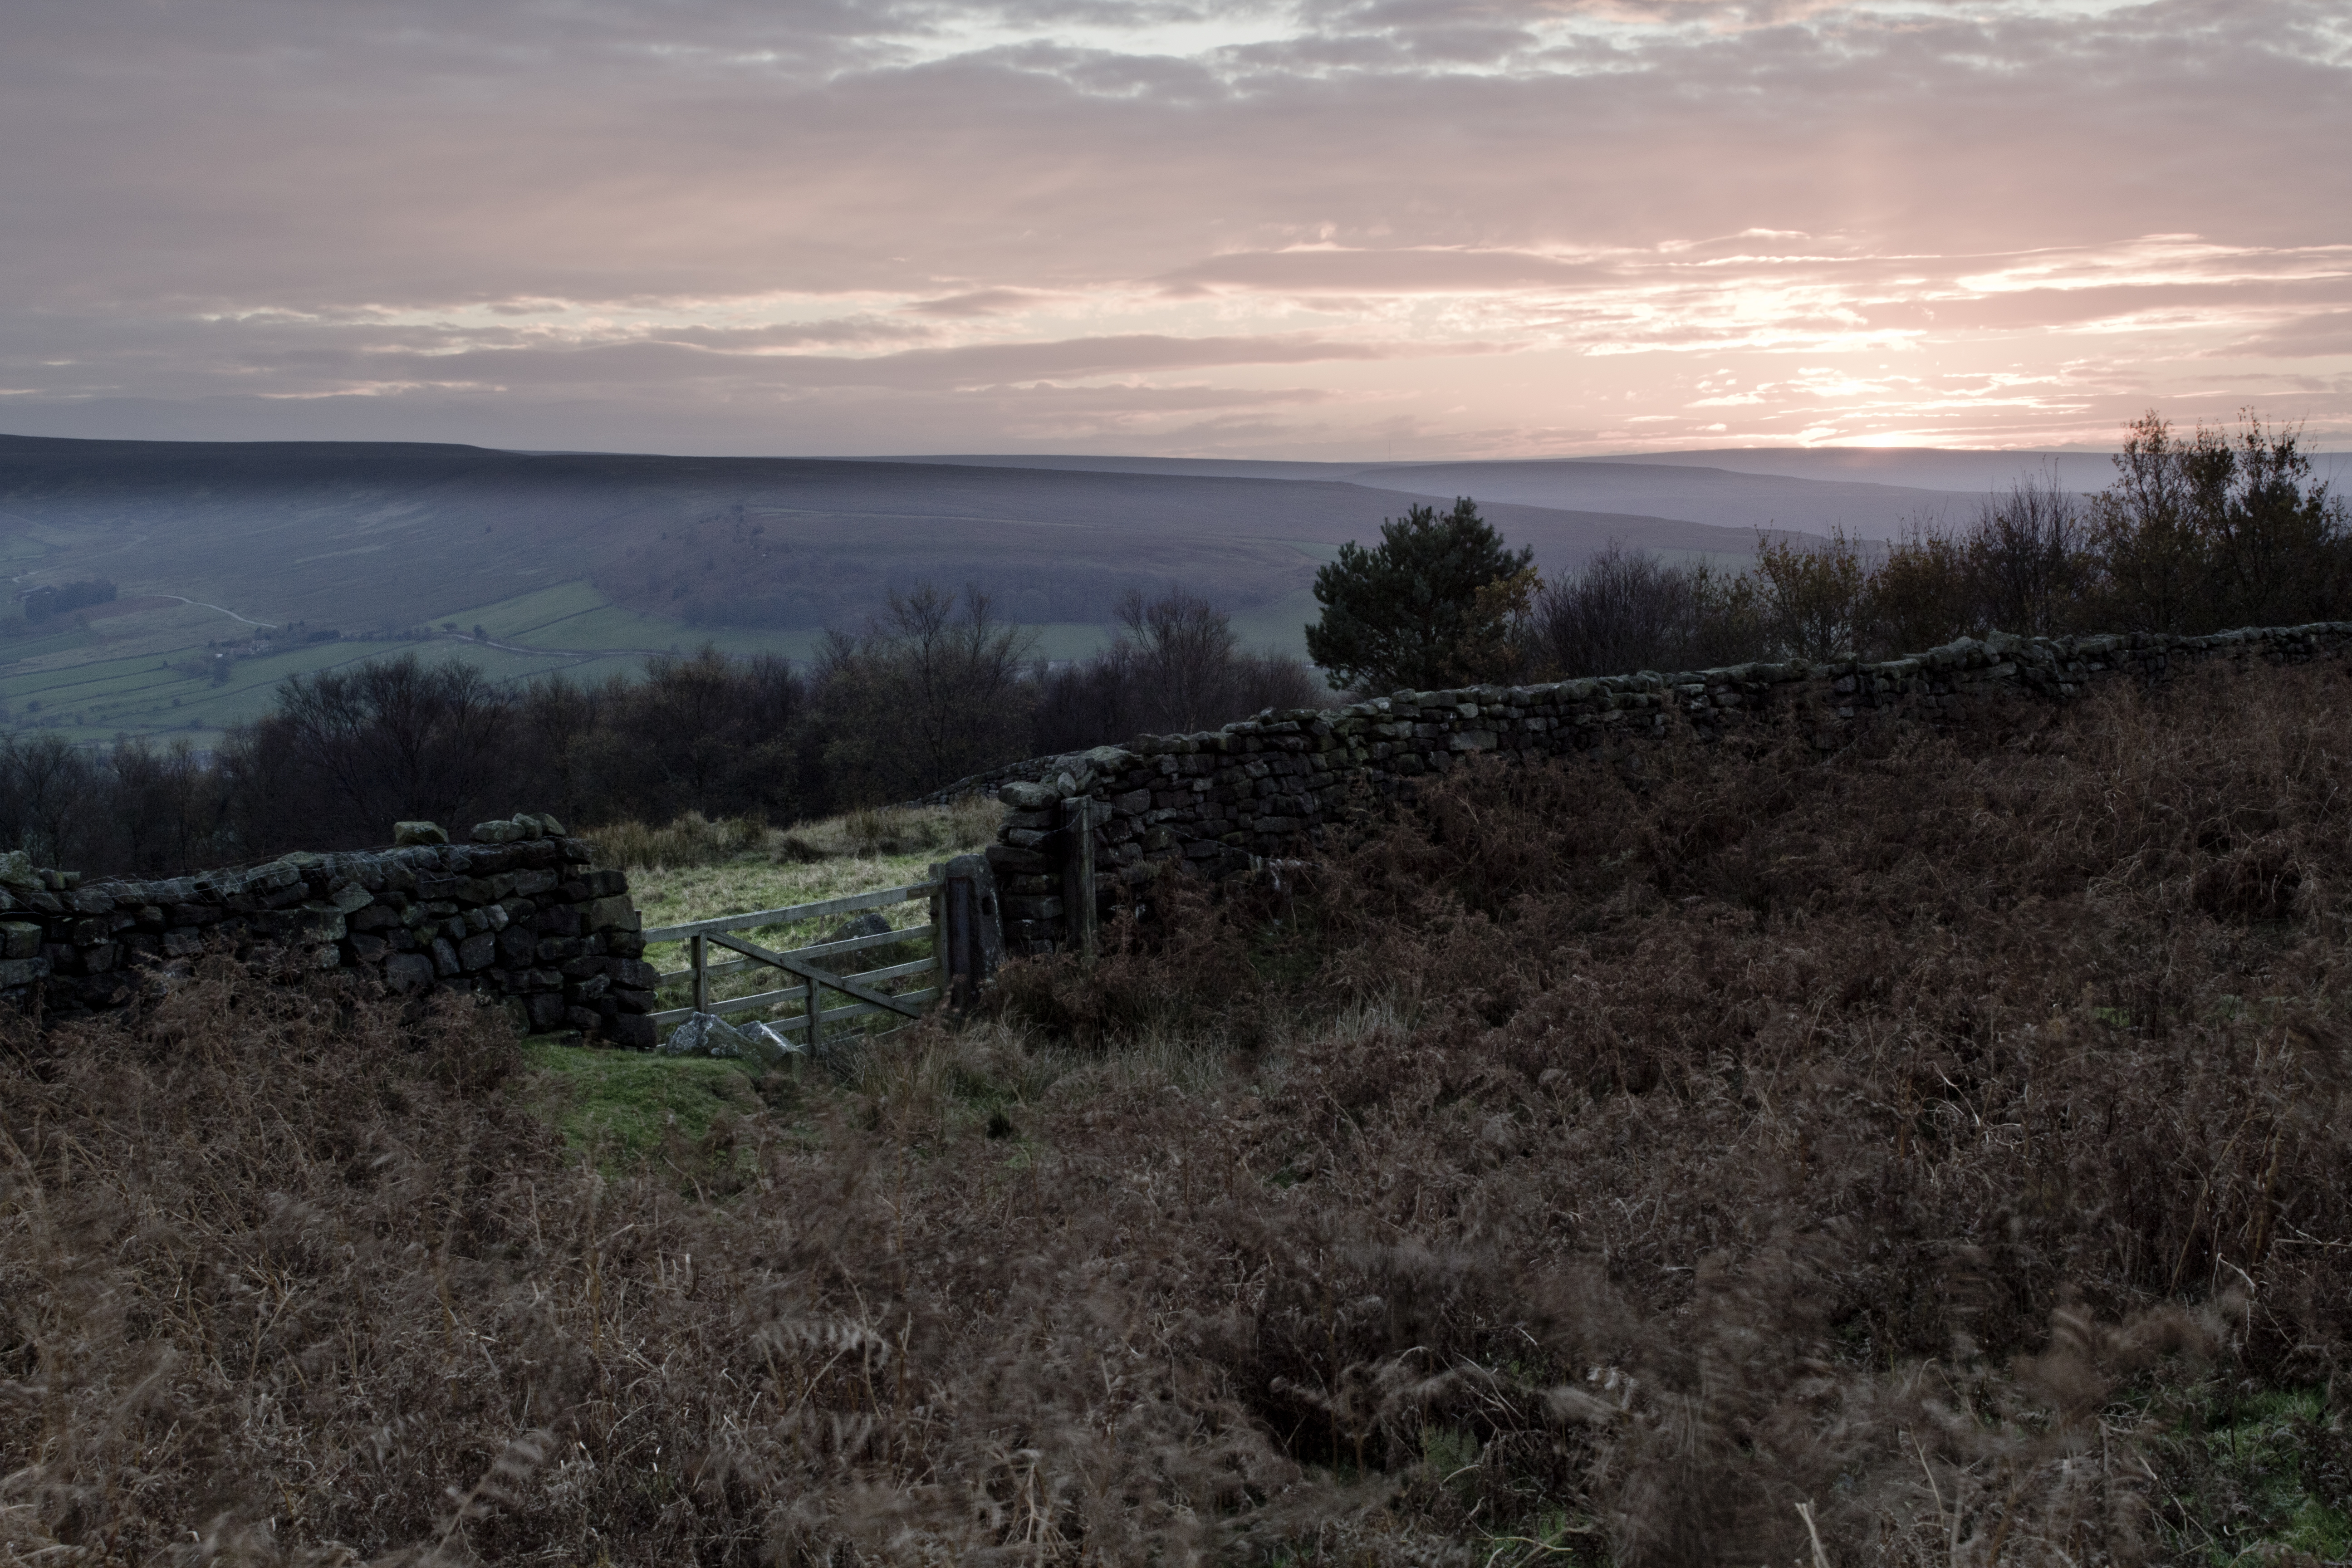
(1430, 606)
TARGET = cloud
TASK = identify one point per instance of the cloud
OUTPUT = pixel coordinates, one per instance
(2318, 335)
(539, 205)
(1364, 271)
(979, 302)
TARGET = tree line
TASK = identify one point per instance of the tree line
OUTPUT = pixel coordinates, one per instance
(937, 689)
(2198, 533)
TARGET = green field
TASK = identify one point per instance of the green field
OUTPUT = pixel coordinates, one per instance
(151, 673)
(149, 669)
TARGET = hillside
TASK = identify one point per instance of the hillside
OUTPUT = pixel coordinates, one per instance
(386, 536)
(585, 562)
(1871, 501)
(1935, 1151)
(238, 564)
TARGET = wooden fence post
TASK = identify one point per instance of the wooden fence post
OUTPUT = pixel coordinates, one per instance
(943, 941)
(701, 975)
(1078, 872)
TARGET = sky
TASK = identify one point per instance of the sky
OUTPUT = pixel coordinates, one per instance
(1349, 229)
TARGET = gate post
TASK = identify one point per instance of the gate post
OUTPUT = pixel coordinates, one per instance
(1078, 872)
(971, 929)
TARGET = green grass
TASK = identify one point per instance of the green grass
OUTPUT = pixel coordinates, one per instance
(116, 675)
(619, 1107)
(2265, 1474)
(512, 620)
(134, 695)
(45, 645)
(666, 896)
(576, 616)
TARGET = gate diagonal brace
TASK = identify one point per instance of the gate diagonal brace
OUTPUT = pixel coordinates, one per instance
(810, 972)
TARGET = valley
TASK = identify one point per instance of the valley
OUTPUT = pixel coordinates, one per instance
(237, 565)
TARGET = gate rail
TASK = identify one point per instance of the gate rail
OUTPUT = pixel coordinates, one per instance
(863, 987)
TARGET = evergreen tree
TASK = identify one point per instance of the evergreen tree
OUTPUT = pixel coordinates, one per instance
(1430, 606)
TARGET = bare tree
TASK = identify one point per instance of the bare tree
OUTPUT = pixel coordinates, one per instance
(2026, 559)
(2151, 549)
(1627, 610)
(1176, 668)
(934, 690)
(1621, 611)
(48, 792)
(1183, 654)
(349, 752)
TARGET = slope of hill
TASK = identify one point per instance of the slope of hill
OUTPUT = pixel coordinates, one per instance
(1725, 496)
(1710, 495)
(231, 559)
(1923, 1154)
(1925, 467)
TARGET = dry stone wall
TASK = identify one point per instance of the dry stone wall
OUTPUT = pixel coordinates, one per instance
(1277, 784)
(525, 918)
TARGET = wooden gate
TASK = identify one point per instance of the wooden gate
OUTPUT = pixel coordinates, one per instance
(960, 956)
(815, 969)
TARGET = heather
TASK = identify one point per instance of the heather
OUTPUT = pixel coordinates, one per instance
(1933, 1151)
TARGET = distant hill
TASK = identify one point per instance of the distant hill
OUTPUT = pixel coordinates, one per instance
(1720, 496)
(1704, 494)
(1868, 491)
(383, 536)
(1926, 467)
(241, 564)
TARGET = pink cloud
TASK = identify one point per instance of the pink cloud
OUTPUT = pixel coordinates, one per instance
(653, 214)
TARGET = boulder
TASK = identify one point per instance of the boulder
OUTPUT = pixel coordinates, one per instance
(869, 923)
(503, 831)
(1023, 797)
(706, 1035)
(16, 870)
(770, 1048)
(405, 834)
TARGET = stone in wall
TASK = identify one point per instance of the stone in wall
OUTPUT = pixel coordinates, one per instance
(525, 920)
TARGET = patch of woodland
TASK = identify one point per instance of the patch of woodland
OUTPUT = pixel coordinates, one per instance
(938, 689)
